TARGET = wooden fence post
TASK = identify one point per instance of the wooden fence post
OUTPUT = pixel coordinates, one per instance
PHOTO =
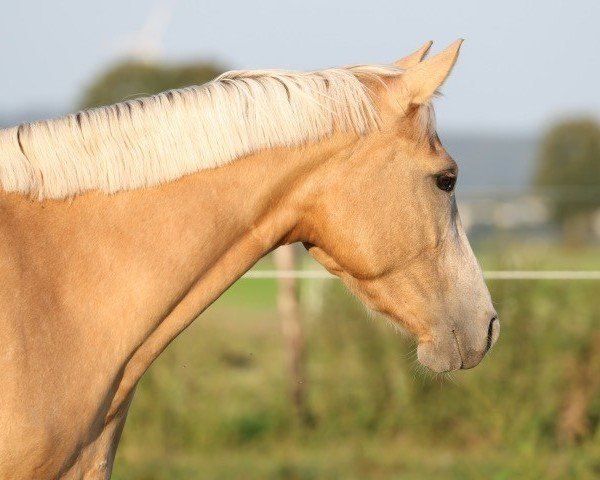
(293, 336)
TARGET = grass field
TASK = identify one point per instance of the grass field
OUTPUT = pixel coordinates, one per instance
(214, 406)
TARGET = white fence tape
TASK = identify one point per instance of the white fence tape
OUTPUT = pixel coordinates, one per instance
(490, 275)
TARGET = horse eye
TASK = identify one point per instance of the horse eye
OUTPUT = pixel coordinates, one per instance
(446, 182)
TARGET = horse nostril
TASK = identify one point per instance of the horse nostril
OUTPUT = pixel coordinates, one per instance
(490, 333)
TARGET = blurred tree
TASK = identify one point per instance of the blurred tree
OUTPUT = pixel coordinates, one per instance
(569, 169)
(130, 79)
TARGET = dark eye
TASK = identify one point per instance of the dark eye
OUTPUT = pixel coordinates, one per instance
(446, 181)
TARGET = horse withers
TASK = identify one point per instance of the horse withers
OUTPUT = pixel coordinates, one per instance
(119, 225)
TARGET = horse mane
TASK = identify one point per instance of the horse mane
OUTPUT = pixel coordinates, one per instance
(152, 140)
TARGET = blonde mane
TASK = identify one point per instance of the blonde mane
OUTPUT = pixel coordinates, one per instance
(147, 141)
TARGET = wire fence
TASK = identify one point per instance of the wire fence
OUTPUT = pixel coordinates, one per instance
(489, 274)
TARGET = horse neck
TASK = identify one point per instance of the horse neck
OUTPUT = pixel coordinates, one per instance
(99, 285)
(215, 223)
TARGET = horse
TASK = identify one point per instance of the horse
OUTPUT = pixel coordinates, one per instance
(119, 225)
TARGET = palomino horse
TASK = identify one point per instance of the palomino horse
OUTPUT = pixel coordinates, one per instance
(119, 225)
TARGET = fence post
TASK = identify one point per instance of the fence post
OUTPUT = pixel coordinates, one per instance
(293, 336)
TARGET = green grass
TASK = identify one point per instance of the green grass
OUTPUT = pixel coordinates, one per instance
(520, 256)
(214, 406)
(249, 295)
(359, 458)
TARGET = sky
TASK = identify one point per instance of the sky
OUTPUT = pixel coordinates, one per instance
(524, 63)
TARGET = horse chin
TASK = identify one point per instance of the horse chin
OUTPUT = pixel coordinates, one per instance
(439, 358)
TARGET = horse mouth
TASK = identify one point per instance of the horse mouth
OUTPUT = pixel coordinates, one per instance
(440, 360)
(472, 358)
(460, 354)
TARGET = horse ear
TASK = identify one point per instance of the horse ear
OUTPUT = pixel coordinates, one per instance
(414, 58)
(422, 80)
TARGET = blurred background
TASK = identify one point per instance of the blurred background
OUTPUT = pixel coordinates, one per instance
(287, 378)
